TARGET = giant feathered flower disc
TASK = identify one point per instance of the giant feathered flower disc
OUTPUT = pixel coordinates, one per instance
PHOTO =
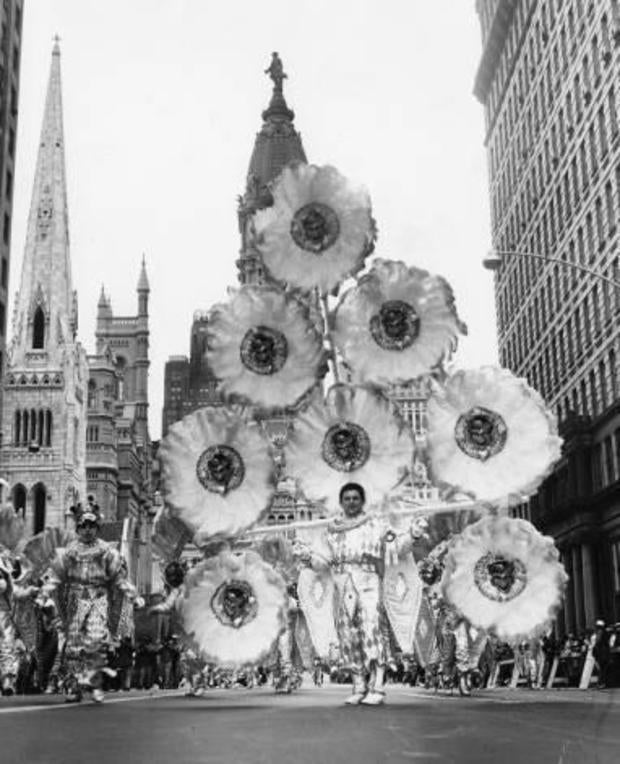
(319, 229)
(490, 435)
(264, 348)
(233, 608)
(216, 472)
(505, 577)
(397, 323)
(354, 435)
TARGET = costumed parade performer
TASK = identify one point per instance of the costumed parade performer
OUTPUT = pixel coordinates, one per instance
(88, 579)
(11, 592)
(270, 346)
(358, 545)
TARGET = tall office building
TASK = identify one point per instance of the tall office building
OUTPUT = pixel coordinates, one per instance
(549, 80)
(11, 14)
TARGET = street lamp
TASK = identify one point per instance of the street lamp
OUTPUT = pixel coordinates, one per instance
(495, 257)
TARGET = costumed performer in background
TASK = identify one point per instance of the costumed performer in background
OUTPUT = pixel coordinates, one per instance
(87, 578)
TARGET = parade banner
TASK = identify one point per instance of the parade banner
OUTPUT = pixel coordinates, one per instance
(424, 640)
(316, 599)
(402, 595)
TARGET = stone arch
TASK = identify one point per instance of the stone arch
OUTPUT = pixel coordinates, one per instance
(18, 498)
(39, 507)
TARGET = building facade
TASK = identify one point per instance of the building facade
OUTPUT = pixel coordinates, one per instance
(118, 445)
(11, 14)
(549, 80)
(44, 384)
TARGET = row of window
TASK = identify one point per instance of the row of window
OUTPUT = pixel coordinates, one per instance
(570, 338)
(547, 172)
(532, 95)
(605, 461)
(92, 434)
(597, 226)
(590, 396)
(32, 427)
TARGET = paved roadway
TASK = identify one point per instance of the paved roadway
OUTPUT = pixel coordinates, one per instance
(312, 727)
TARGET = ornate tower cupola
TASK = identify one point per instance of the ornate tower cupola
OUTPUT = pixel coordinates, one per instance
(277, 144)
(46, 311)
(143, 290)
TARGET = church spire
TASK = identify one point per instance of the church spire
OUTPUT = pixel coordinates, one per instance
(46, 289)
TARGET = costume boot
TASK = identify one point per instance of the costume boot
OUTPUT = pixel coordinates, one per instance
(464, 684)
(376, 695)
(360, 688)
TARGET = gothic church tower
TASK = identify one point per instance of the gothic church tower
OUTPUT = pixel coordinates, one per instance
(44, 412)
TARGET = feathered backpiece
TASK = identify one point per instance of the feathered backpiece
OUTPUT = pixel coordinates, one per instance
(41, 548)
(11, 527)
(278, 551)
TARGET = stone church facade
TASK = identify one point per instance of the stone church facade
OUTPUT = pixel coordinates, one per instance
(44, 406)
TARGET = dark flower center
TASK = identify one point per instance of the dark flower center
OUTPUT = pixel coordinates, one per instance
(234, 603)
(481, 433)
(220, 469)
(396, 326)
(264, 350)
(346, 447)
(499, 578)
(315, 227)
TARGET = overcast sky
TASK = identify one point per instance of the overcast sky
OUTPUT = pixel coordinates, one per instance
(162, 101)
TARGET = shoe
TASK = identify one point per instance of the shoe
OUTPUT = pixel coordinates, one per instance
(98, 695)
(7, 686)
(72, 697)
(355, 699)
(374, 698)
(464, 687)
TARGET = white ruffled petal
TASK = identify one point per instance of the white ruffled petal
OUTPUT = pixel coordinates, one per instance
(206, 508)
(427, 329)
(382, 453)
(531, 445)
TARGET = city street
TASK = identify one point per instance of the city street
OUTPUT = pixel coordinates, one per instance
(258, 727)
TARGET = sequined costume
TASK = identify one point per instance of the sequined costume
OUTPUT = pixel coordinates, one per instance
(87, 579)
(357, 549)
(9, 654)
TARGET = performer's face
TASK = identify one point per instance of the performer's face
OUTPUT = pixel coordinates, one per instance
(351, 502)
(87, 532)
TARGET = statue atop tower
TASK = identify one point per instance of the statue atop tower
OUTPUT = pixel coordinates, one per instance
(276, 71)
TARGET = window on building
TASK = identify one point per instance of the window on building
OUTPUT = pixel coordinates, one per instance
(6, 228)
(615, 561)
(38, 329)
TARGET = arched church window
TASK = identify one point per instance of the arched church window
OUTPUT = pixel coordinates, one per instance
(48, 428)
(25, 424)
(17, 427)
(33, 426)
(121, 367)
(38, 329)
(41, 427)
(92, 393)
(39, 501)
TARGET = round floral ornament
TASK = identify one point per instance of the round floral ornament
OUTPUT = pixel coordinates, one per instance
(263, 347)
(354, 435)
(216, 472)
(397, 323)
(318, 231)
(233, 608)
(490, 435)
(504, 577)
